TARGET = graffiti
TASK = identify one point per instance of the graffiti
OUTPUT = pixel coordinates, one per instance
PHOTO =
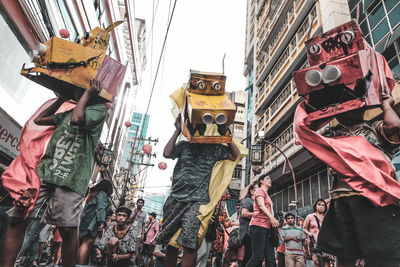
(336, 43)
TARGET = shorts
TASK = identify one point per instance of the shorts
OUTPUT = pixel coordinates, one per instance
(353, 228)
(63, 209)
(179, 214)
(148, 249)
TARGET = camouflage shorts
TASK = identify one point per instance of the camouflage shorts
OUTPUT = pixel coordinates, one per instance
(180, 214)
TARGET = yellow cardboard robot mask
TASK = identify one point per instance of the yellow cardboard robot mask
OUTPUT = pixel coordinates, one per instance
(63, 66)
(207, 112)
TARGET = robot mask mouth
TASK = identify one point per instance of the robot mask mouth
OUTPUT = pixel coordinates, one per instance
(201, 129)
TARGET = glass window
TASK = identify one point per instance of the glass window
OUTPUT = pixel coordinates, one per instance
(324, 184)
(390, 4)
(67, 19)
(376, 16)
(368, 38)
(306, 192)
(279, 202)
(285, 200)
(300, 194)
(394, 16)
(380, 31)
(314, 188)
(353, 4)
(364, 27)
(389, 53)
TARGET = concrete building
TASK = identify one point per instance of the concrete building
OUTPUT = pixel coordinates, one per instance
(24, 24)
(238, 130)
(153, 202)
(276, 32)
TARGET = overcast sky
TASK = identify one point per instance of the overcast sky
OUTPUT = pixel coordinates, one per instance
(200, 34)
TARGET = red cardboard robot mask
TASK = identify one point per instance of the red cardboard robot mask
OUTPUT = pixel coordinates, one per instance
(344, 74)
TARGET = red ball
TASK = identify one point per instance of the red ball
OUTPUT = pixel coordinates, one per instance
(64, 33)
(147, 149)
(162, 165)
(128, 124)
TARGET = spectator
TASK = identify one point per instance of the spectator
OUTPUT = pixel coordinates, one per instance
(65, 171)
(149, 239)
(93, 217)
(189, 190)
(56, 247)
(293, 236)
(235, 251)
(246, 213)
(260, 225)
(138, 222)
(312, 224)
(118, 242)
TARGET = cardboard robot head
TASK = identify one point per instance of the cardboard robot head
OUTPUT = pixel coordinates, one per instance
(344, 74)
(208, 111)
(64, 66)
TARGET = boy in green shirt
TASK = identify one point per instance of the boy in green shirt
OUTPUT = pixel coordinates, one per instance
(65, 170)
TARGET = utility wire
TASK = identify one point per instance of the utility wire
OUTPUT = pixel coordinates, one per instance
(159, 62)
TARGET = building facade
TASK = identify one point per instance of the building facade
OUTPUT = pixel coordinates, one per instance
(154, 202)
(276, 33)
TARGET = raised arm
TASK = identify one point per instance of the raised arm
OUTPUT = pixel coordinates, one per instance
(44, 117)
(234, 151)
(169, 148)
(78, 113)
(391, 122)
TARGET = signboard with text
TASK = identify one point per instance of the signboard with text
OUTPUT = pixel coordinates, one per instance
(10, 133)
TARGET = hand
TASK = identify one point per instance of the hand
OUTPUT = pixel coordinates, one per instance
(142, 237)
(99, 255)
(115, 257)
(95, 87)
(101, 227)
(178, 122)
(295, 239)
(274, 222)
(387, 99)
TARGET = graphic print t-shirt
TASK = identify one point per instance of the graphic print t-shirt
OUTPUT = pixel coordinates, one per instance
(70, 152)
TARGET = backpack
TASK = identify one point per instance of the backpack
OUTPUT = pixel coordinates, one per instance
(234, 240)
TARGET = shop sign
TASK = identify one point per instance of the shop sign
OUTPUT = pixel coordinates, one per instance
(10, 133)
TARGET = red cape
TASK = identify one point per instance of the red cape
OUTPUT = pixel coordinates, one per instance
(21, 177)
(362, 165)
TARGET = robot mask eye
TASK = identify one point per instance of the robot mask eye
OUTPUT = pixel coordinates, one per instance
(313, 77)
(347, 36)
(217, 86)
(201, 85)
(314, 49)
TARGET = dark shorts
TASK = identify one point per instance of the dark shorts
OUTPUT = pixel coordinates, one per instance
(353, 228)
(62, 206)
(148, 249)
(180, 214)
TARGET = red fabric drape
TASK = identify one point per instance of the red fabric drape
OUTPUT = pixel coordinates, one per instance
(20, 177)
(362, 165)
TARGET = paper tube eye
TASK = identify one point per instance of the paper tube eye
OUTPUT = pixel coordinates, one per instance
(347, 37)
(207, 118)
(314, 49)
(221, 119)
(313, 77)
(217, 86)
(201, 85)
(330, 74)
(86, 35)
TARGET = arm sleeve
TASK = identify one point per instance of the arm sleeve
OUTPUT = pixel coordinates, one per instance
(178, 150)
(57, 118)
(94, 117)
(248, 204)
(102, 204)
(131, 245)
(105, 239)
(393, 139)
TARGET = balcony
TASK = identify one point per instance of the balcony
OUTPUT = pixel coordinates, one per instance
(286, 143)
(292, 19)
